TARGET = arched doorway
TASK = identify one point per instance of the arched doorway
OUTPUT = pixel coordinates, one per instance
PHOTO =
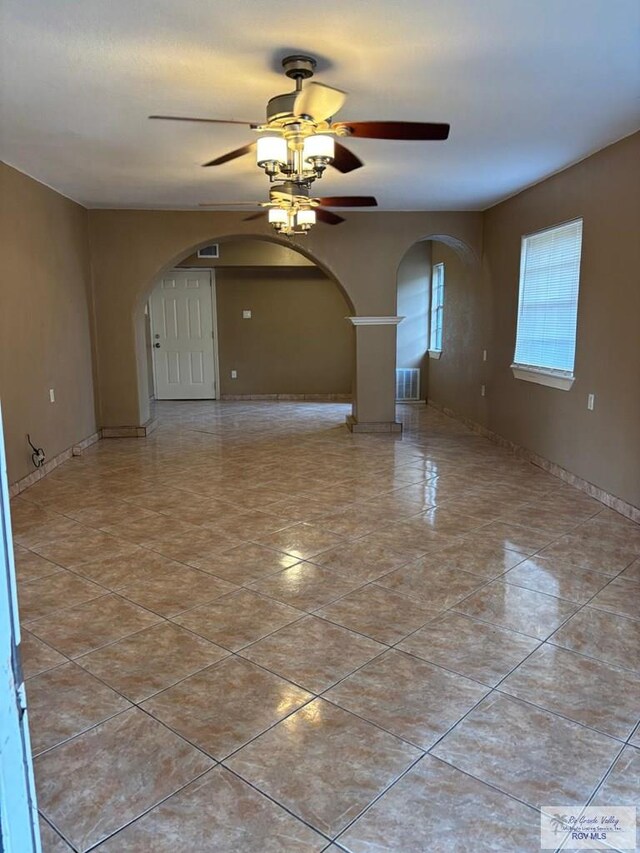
(442, 341)
(281, 331)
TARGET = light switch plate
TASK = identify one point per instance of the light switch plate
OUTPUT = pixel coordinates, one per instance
(246, 314)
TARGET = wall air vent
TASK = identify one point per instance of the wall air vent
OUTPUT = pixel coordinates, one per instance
(209, 251)
(407, 384)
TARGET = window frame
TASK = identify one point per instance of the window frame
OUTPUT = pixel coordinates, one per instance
(436, 312)
(549, 376)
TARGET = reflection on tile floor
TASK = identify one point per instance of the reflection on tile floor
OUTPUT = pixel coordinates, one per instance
(253, 632)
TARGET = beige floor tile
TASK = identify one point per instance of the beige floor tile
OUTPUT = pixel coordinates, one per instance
(604, 636)
(116, 572)
(224, 488)
(362, 560)
(590, 692)
(54, 592)
(553, 577)
(32, 567)
(245, 563)
(172, 588)
(73, 550)
(573, 549)
(92, 624)
(36, 656)
(238, 619)
(621, 597)
(218, 813)
(622, 785)
(632, 572)
(151, 660)
(432, 585)
(313, 653)
(533, 755)
(301, 540)
(305, 585)
(198, 544)
(411, 541)
(323, 764)
(380, 613)
(476, 649)
(408, 697)
(435, 807)
(532, 613)
(98, 782)
(445, 520)
(226, 705)
(488, 561)
(50, 840)
(66, 701)
(512, 537)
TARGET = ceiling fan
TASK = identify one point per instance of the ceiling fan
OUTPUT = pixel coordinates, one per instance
(297, 143)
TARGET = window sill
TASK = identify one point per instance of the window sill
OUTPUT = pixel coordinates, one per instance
(552, 378)
(435, 353)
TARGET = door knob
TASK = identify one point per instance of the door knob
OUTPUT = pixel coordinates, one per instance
(157, 346)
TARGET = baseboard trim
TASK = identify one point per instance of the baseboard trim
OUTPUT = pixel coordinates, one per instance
(300, 398)
(130, 431)
(51, 464)
(612, 501)
(373, 426)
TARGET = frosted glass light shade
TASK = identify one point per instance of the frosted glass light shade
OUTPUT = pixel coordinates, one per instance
(271, 149)
(306, 217)
(278, 216)
(319, 146)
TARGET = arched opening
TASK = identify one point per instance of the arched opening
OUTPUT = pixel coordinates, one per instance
(278, 326)
(440, 343)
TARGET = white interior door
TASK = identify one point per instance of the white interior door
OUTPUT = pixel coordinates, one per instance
(182, 332)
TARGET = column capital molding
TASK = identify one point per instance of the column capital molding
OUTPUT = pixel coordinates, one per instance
(375, 321)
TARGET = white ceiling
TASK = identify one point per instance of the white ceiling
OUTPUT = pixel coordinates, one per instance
(529, 86)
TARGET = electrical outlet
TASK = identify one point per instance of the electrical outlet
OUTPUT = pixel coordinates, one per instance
(483, 390)
(591, 401)
(234, 374)
(484, 355)
(52, 395)
(246, 314)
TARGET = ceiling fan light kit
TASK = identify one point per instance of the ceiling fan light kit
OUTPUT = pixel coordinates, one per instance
(297, 145)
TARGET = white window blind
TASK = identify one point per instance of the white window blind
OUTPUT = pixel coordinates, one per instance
(437, 307)
(548, 302)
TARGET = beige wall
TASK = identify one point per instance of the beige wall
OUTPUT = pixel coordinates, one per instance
(602, 446)
(297, 340)
(414, 276)
(131, 248)
(44, 321)
(455, 378)
(250, 253)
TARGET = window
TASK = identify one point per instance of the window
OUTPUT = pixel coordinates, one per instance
(548, 305)
(437, 308)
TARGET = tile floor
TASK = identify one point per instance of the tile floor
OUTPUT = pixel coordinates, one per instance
(254, 632)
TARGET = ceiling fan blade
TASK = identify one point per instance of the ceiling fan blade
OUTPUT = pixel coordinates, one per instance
(228, 203)
(206, 120)
(318, 101)
(258, 215)
(410, 130)
(348, 201)
(231, 155)
(345, 160)
(328, 217)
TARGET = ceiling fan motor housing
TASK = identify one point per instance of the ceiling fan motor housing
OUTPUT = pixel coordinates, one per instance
(281, 106)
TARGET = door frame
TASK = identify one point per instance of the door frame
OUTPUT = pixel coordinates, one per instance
(214, 323)
(19, 830)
